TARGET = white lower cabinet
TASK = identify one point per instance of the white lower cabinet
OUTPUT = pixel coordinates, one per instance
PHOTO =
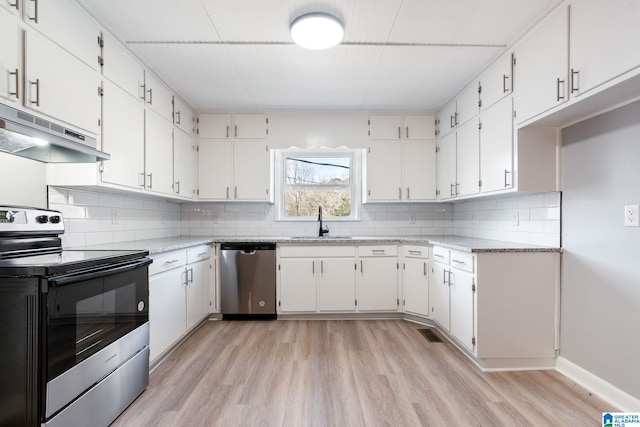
(415, 279)
(178, 296)
(378, 278)
(316, 278)
(499, 306)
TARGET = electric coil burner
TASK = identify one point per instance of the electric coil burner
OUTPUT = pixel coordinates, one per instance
(74, 325)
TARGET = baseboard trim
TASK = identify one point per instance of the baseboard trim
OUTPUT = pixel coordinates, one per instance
(599, 387)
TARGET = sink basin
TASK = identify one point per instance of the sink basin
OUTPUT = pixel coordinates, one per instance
(321, 238)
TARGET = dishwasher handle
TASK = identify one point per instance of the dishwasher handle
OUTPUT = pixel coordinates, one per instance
(248, 252)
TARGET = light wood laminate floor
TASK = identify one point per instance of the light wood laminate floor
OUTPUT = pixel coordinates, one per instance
(345, 373)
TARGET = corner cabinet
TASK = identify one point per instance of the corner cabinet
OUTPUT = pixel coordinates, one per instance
(500, 307)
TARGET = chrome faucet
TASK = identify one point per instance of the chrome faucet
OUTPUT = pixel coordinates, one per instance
(324, 230)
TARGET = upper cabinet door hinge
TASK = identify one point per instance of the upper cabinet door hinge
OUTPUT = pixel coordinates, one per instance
(479, 125)
(437, 149)
(100, 91)
(480, 183)
(473, 340)
(473, 288)
(437, 192)
(514, 60)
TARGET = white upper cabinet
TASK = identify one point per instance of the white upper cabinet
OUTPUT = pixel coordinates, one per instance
(541, 60)
(447, 118)
(419, 170)
(496, 82)
(184, 164)
(460, 110)
(10, 61)
(496, 147)
(121, 67)
(60, 85)
(157, 96)
(158, 153)
(604, 41)
(446, 167)
(389, 127)
(239, 126)
(182, 116)
(384, 171)
(64, 22)
(121, 110)
(215, 170)
(251, 171)
(468, 160)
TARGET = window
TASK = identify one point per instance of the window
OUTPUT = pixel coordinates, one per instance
(318, 177)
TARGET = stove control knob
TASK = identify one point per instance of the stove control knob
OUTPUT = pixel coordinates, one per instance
(42, 219)
(55, 219)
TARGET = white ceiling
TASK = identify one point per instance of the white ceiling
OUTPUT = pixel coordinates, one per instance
(396, 54)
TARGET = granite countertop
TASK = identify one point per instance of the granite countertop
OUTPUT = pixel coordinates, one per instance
(466, 244)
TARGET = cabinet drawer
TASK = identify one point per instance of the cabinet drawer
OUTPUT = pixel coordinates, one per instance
(198, 253)
(319, 251)
(462, 261)
(167, 261)
(441, 254)
(378, 250)
(415, 251)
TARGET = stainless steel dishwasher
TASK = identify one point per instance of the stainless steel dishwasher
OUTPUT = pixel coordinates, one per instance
(248, 280)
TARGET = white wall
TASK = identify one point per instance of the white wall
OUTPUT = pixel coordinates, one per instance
(22, 181)
(600, 314)
(92, 218)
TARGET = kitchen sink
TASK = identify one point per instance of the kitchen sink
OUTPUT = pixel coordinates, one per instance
(321, 238)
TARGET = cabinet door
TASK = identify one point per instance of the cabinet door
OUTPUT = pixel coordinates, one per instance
(59, 85)
(604, 41)
(182, 116)
(419, 170)
(416, 286)
(468, 159)
(215, 169)
(157, 96)
(462, 307)
(468, 104)
(167, 310)
(496, 82)
(378, 284)
(79, 37)
(10, 62)
(120, 110)
(184, 163)
(122, 68)
(337, 284)
(197, 292)
(446, 166)
(385, 127)
(250, 126)
(384, 171)
(419, 127)
(214, 126)
(448, 118)
(158, 153)
(496, 147)
(297, 285)
(439, 294)
(251, 174)
(541, 60)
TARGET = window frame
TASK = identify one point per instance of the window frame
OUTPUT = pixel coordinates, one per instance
(356, 171)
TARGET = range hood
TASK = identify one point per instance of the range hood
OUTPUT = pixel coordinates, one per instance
(29, 136)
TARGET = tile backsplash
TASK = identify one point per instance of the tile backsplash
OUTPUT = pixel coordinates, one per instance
(96, 218)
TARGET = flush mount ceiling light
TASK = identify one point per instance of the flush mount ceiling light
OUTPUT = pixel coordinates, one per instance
(316, 31)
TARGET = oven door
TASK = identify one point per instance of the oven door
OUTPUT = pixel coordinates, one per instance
(87, 314)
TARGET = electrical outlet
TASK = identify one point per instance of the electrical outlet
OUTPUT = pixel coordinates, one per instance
(412, 218)
(114, 216)
(631, 216)
(474, 220)
(215, 219)
(515, 218)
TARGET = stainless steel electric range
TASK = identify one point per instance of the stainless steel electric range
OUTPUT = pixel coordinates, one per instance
(74, 325)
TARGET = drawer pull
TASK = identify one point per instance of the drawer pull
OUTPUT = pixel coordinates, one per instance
(201, 254)
(458, 261)
(173, 261)
(438, 255)
(378, 251)
(415, 252)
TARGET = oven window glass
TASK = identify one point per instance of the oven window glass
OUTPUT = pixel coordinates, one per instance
(86, 316)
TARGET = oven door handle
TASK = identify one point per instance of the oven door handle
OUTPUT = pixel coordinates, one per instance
(83, 276)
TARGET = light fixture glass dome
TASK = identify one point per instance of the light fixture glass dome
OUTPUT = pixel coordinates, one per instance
(317, 31)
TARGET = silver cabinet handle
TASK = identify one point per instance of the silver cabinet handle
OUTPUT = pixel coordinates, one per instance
(408, 193)
(452, 122)
(457, 186)
(227, 131)
(505, 89)
(419, 253)
(444, 277)
(190, 280)
(235, 192)
(37, 85)
(456, 118)
(559, 94)
(173, 261)
(144, 91)
(177, 187)
(378, 251)
(399, 132)
(506, 173)
(33, 18)
(17, 79)
(14, 5)
(361, 267)
(235, 132)
(313, 268)
(449, 281)
(400, 193)
(458, 261)
(322, 268)
(177, 117)
(201, 254)
(574, 82)
(150, 175)
(406, 132)
(150, 92)
(451, 190)
(438, 256)
(143, 182)
(424, 268)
